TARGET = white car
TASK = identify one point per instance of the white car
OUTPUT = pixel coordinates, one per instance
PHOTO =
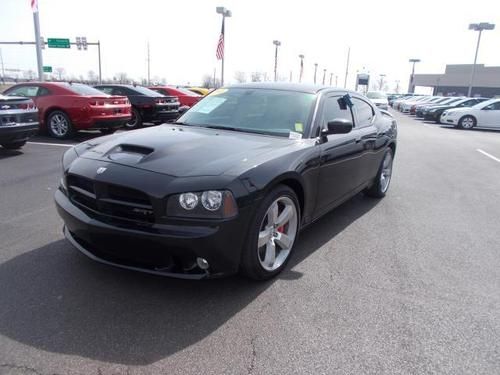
(379, 99)
(405, 107)
(485, 114)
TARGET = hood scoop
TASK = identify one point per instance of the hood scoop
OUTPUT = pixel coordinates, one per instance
(129, 154)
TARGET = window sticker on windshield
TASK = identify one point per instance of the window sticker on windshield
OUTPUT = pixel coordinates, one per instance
(208, 104)
(299, 127)
(294, 135)
(218, 92)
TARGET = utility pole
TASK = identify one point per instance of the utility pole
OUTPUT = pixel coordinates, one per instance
(99, 57)
(3, 69)
(336, 81)
(347, 67)
(290, 76)
(301, 57)
(39, 58)
(477, 27)
(411, 86)
(381, 83)
(149, 71)
(315, 71)
(331, 78)
(276, 43)
(324, 76)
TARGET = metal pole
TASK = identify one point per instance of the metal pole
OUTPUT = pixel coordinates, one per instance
(324, 76)
(39, 59)
(149, 72)
(315, 71)
(411, 87)
(473, 73)
(224, 52)
(301, 67)
(290, 76)
(347, 67)
(1, 62)
(331, 78)
(336, 81)
(99, 57)
(276, 63)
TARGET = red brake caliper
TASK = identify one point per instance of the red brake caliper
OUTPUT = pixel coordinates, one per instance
(281, 229)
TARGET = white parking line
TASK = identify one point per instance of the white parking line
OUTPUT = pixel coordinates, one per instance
(50, 144)
(488, 155)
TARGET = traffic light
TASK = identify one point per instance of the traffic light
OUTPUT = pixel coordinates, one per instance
(84, 42)
(78, 43)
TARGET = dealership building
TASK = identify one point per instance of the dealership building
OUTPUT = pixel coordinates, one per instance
(456, 78)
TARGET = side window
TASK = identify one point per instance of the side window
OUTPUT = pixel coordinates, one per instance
(332, 109)
(364, 113)
(42, 91)
(119, 91)
(106, 90)
(27, 91)
(493, 106)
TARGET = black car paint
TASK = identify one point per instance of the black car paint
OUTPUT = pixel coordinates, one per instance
(145, 105)
(323, 171)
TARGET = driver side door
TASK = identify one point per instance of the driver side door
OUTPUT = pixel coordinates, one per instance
(490, 115)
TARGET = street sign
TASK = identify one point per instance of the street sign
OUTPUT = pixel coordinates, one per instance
(58, 43)
(47, 69)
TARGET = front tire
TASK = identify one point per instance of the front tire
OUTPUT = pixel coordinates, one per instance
(135, 122)
(467, 122)
(383, 179)
(13, 145)
(272, 234)
(59, 125)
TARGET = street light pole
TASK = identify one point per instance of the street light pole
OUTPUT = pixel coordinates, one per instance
(301, 57)
(411, 86)
(225, 13)
(381, 83)
(347, 67)
(38, 44)
(315, 71)
(331, 78)
(477, 27)
(277, 43)
(324, 75)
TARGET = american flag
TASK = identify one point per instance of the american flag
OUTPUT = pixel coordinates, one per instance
(220, 45)
(34, 5)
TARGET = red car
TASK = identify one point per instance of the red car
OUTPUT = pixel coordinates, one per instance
(65, 108)
(186, 97)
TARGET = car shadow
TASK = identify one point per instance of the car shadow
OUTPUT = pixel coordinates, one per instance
(475, 129)
(4, 153)
(55, 299)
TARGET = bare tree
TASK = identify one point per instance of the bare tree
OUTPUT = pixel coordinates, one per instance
(92, 76)
(60, 73)
(29, 74)
(208, 82)
(240, 76)
(122, 77)
(163, 81)
(257, 77)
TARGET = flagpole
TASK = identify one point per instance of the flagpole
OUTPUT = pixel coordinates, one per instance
(38, 41)
(224, 52)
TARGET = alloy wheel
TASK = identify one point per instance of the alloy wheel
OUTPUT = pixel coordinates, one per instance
(277, 233)
(385, 175)
(59, 125)
(468, 123)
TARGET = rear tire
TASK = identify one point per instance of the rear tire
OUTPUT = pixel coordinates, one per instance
(275, 228)
(135, 122)
(383, 178)
(13, 145)
(59, 125)
(467, 122)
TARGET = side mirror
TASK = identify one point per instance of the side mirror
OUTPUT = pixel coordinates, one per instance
(338, 126)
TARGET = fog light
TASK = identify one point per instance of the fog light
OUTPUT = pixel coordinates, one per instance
(202, 263)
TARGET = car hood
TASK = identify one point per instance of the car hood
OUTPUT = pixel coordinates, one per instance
(440, 107)
(458, 110)
(184, 151)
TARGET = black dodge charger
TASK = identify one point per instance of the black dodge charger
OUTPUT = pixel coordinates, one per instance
(227, 187)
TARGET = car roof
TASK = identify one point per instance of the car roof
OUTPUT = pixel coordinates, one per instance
(298, 87)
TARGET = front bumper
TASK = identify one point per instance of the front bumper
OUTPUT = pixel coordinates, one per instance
(168, 250)
(161, 116)
(430, 116)
(18, 132)
(448, 120)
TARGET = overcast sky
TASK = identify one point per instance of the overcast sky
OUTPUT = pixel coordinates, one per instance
(183, 36)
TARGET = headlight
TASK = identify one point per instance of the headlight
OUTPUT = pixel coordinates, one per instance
(211, 204)
(188, 201)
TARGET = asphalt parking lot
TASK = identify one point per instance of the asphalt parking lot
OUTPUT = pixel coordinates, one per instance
(406, 285)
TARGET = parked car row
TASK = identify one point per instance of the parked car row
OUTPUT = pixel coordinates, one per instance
(461, 112)
(60, 109)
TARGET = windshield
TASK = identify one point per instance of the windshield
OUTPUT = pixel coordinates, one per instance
(78, 88)
(145, 91)
(265, 111)
(376, 95)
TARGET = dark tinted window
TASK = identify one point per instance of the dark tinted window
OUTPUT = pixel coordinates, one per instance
(145, 91)
(107, 90)
(332, 110)
(364, 112)
(493, 106)
(80, 89)
(42, 91)
(122, 91)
